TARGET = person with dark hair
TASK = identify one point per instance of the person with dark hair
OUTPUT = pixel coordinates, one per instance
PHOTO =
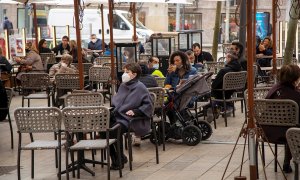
(179, 69)
(148, 80)
(287, 88)
(264, 49)
(238, 49)
(153, 66)
(200, 55)
(43, 46)
(191, 57)
(108, 52)
(63, 47)
(131, 101)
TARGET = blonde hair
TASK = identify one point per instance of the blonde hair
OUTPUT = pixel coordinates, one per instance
(67, 57)
(32, 47)
(72, 44)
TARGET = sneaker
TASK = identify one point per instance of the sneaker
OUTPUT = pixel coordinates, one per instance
(210, 116)
(136, 141)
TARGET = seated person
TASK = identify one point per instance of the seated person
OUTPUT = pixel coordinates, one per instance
(153, 66)
(201, 56)
(95, 43)
(108, 51)
(63, 67)
(132, 100)
(43, 47)
(191, 57)
(148, 80)
(178, 70)
(63, 47)
(73, 52)
(287, 88)
(5, 70)
(231, 65)
(31, 62)
(264, 49)
(3, 102)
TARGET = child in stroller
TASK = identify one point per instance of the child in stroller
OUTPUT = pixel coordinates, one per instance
(183, 125)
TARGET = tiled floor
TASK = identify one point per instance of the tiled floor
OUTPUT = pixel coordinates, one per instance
(206, 161)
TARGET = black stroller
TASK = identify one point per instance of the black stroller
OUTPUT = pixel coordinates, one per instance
(187, 127)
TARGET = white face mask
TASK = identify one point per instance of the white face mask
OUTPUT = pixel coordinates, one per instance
(64, 64)
(125, 77)
(192, 64)
(94, 40)
(156, 66)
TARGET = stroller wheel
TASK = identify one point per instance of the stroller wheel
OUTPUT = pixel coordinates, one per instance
(205, 128)
(191, 135)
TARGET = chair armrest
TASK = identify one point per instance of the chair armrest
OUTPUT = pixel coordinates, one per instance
(117, 126)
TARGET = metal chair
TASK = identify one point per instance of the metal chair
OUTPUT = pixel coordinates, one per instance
(100, 76)
(232, 81)
(48, 60)
(31, 82)
(292, 137)
(65, 83)
(9, 93)
(275, 117)
(83, 99)
(129, 136)
(86, 67)
(36, 121)
(159, 111)
(85, 120)
(160, 81)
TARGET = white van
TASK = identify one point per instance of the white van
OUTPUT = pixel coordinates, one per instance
(122, 26)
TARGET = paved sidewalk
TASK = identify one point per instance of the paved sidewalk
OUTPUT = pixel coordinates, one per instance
(206, 161)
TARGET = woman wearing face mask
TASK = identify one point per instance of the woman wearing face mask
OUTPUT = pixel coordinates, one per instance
(132, 100)
(154, 67)
(64, 66)
(178, 70)
(32, 61)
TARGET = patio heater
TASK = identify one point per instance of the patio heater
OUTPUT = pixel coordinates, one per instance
(187, 38)
(162, 48)
(125, 53)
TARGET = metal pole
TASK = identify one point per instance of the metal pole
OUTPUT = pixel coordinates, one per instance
(134, 22)
(7, 49)
(54, 35)
(250, 53)
(113, 70)
(227, 22)
(177, 17)
(242, 33)
(102, 26)
(35, 25)
(68, 30)
(274, 35)
(78, 38)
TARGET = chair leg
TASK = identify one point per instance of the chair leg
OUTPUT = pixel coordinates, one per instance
(59, 163)
(296, 177)
(22, 101)
(56, 161)
(67, 163)
(28, 102)
(130, 149)
(102, 158)
(225, 113)
(19, 157)
(72, 159)
(233, 111)
(108, 162)
(156, 143)
(263, 152)
(275, 165)
(163, 129)
(11, 132)
(32, 164)
(119, 157)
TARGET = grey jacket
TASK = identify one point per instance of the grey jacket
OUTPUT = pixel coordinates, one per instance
(133, 95)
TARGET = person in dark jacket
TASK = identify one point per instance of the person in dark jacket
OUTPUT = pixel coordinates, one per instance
(232, 65)
(238, 49)
(43, 47)
(3, 102)
(200, 55)
(264, 49)
(287, 88)
(148, 80)
(5, 70)
(63, 47)
(132, 100)
(95, 43)
(7, 24)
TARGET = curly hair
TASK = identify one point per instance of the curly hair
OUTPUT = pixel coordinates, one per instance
(184, 58)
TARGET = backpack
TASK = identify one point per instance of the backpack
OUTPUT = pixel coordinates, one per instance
(3, 102)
